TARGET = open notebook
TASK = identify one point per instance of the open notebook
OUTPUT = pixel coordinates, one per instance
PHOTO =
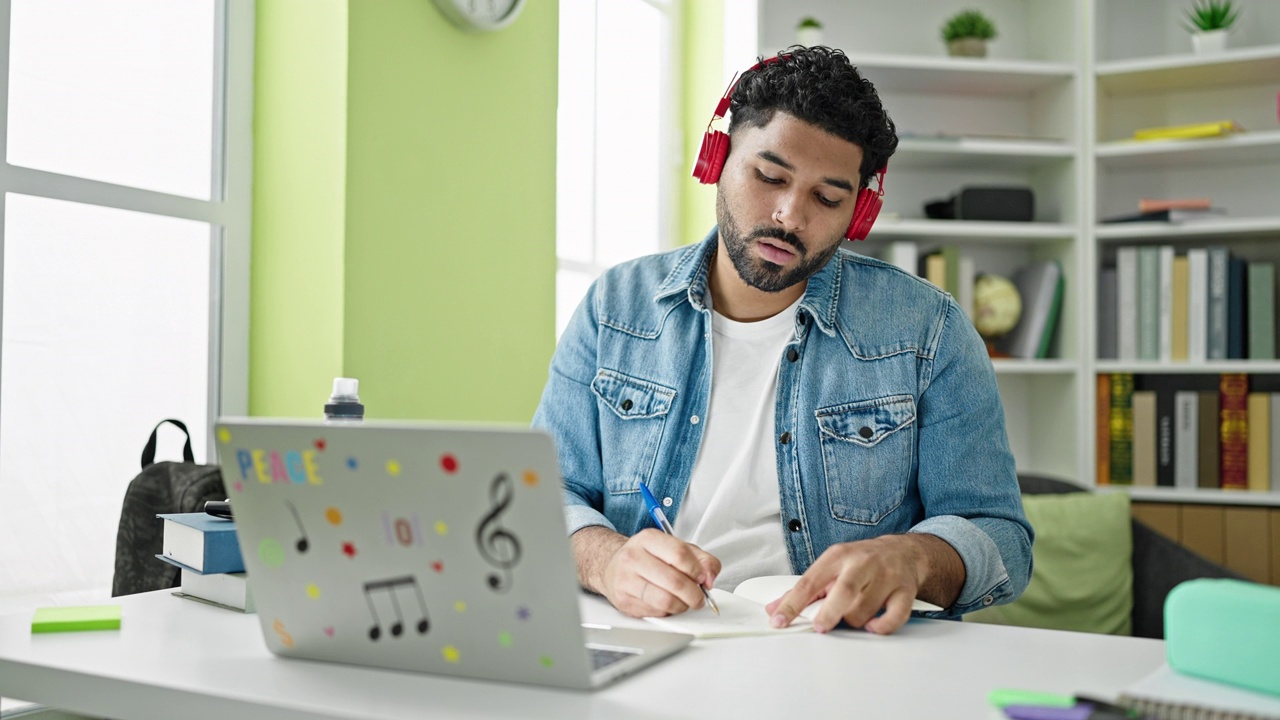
(742, 611)
(1166, 693)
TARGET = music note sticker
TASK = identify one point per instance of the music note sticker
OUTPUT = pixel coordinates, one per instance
(390, 587)
(498, 545)
(302, 543)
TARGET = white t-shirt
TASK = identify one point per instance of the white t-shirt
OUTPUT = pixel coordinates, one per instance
(731, 508)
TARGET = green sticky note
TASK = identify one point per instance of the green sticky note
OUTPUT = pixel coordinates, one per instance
(1005, 697)
(74, 619)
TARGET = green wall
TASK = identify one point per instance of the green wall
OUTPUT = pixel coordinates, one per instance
(700, 78)
(446, 214)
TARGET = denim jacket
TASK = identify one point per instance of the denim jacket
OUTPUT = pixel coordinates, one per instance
(887, 413)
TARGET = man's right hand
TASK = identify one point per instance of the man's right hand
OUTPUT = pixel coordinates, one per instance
(650, 574)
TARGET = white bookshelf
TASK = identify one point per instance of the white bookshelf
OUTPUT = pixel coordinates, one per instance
(1054, 107)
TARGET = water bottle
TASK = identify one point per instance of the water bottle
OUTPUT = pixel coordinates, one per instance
(344, 403)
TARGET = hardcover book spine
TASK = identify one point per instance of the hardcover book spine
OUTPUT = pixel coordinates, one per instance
(1217, 325)
(1185, 462)
(1144, 438)
(1234, 437)
(1235, 309)
(1197, 304)
(1259, 450)
(1127, 307)
(1275, 449)
(1121, 428)
(1164, 312)
(1208, 430)
(1102, 428)
(1108, 316)
(1261, 312)
(1149, 303)
(1181, 303)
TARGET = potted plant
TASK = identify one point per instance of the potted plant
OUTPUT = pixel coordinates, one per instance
(1208, 22)
(809, 32)
(967, 33)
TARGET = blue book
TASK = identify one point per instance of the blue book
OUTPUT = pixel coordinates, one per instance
(1236, 273)
(201, 542)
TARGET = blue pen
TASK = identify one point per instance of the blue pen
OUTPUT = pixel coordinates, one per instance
(660, 519)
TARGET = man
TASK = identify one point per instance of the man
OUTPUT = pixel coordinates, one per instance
(794, 406)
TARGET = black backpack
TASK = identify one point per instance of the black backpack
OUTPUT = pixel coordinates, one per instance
(161, 487)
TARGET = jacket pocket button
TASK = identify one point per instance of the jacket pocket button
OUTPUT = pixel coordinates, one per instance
(626, 404)
(785, 438)
(794, 525)
(792, 355)
(865, 432)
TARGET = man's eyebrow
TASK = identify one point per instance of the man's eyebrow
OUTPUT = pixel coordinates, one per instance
(833, 181)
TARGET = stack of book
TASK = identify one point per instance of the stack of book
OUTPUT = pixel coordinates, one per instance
(207, 550)
(1205, 305)
(1201, 431)
(1170, 211)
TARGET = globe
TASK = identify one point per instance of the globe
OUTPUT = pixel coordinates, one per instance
(997, 306)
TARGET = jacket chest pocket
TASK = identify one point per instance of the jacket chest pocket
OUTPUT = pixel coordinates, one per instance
(633, 413)
(867, 451)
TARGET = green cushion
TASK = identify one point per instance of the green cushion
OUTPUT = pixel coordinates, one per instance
(1082, 578)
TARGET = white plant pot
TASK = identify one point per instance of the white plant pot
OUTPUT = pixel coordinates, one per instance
(809, 36)
(1213, 41)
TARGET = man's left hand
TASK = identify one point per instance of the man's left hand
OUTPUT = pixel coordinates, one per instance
(859, 579)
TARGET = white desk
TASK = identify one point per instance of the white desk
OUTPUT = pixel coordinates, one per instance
(179, 658)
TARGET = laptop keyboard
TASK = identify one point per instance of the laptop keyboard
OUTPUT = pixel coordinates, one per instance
(602, 658)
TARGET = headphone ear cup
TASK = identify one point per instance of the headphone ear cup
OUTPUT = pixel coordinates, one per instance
(711, 157)
(864, 214)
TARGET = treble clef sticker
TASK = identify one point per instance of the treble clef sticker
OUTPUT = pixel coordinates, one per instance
(497, 544)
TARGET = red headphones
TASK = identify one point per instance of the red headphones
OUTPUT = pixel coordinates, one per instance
(715, 148)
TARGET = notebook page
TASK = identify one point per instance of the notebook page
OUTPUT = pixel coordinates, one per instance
(738, 617)
(768, 588)
(1168, 694)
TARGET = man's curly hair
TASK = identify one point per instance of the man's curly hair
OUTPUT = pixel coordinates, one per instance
(821, 87)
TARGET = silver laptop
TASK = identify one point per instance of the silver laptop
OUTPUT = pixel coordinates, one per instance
(426, 547)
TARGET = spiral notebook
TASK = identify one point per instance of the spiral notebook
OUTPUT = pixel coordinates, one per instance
(1168, 695)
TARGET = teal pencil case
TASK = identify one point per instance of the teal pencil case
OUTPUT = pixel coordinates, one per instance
(1225, 630)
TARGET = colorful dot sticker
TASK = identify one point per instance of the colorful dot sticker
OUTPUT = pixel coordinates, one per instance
(393, 468)
(352, 463)
(438, 566)
(328, 630)
(333, 515)
(349, 549)
(224, 435)
(449, 463)
(285, 637)
(239, 486)
(523, 613)
(313, 591)
(504, 639)
(271, 553)
(320, 444)
(546, 661)
(451, 654)
(442, 528)
(460, 606)
(530, 478)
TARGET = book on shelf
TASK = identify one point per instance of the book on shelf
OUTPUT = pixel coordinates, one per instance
(1216, 128)
(1216, 322)
(1147, 205)
(1234, 431)
(1173, 215)
(1180, 308)
(1144, 438)
(1149, 303)
(1261, 310)
(1127, 306)
(1197, 303)
(1165, 388)
(1236, 274)
(1164, 310)
(1186, 414)
(1108, 333)
(1102, 429)
(1121, 427)
(202, 542)
(1041, 286)
(1207, 430)
(1275, 442)
(1258, 406)
(229, 590)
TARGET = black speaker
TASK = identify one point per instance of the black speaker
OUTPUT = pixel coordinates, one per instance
(1007, 204)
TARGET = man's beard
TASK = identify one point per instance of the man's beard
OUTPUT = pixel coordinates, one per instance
(755, 270)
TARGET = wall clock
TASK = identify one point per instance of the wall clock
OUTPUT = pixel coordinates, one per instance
(480, 15)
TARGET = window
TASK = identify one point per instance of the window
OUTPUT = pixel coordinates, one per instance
(616, 155)
(125, 129)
